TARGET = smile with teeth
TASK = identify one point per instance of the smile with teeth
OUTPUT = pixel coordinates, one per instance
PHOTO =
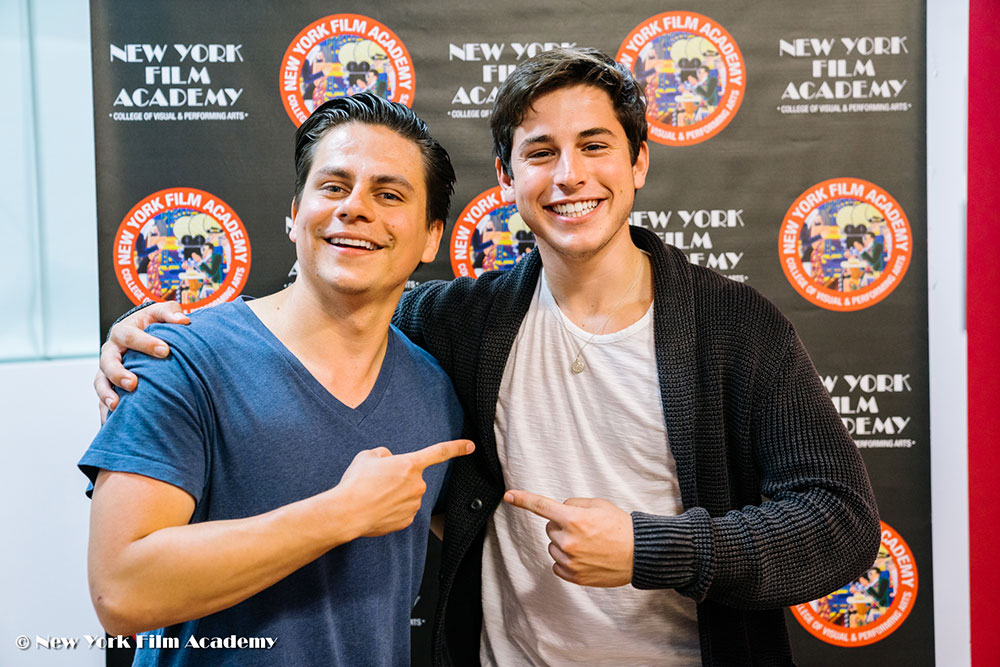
(575, 209)
(354, 243)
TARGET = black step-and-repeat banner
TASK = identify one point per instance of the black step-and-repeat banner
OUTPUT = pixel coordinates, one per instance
(787, 152)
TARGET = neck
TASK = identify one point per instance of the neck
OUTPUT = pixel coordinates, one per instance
(340, 339)
(589, 289)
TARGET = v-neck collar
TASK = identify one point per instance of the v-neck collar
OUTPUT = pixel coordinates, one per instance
(355, 415)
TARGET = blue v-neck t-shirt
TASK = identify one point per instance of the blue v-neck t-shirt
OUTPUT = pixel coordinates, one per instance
(233, 418)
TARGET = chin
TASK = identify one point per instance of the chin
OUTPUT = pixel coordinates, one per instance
(328, 283)
(578, 245)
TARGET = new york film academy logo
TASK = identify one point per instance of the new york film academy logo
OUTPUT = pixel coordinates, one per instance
(692, 71)
(845, 244)
(184, 245)
(489, 235)
(871, 607)
(341, 55)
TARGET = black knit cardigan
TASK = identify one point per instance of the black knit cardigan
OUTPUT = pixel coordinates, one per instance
(778, 506)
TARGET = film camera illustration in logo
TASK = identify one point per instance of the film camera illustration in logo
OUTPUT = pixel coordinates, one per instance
(344, 54)
(845, 244)
(692, 72)
(183, 245)
(489, 235)
(871, 607)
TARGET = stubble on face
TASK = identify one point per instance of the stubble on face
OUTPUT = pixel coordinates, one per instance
(360, 227)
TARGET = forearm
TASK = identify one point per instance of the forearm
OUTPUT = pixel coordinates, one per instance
(813, 527)
(184, 572)
(664, 551)
(149, 567)
(772, 555)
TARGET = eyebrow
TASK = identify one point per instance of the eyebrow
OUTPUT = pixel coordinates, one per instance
(393, 179)
(381, 179)
(333, 172)
(547, 138)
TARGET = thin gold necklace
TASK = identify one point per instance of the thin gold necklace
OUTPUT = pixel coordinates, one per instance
(578, 366)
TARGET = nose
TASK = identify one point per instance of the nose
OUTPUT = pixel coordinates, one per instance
(356, 207)
(570, 171)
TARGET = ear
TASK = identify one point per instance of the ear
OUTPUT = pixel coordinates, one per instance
(294, 211)
(433, 241)
(641, 166)
(506, 181)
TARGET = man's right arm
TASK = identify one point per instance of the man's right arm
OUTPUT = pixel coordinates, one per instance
(148, 567)
(129, 333)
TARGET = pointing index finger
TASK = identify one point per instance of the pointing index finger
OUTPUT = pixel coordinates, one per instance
(543, 506)
(440, 452)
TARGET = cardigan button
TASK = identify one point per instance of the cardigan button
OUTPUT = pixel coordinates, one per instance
(476, 505)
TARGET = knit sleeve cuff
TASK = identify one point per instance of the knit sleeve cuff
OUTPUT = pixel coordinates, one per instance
(670, 553)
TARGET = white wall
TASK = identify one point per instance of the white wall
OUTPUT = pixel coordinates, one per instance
(947, 122)
(49, 305)
(47, 202)
(49, 413)
(49, 416)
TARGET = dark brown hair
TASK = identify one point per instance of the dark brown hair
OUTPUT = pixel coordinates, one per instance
(373, 110)
(562, 68)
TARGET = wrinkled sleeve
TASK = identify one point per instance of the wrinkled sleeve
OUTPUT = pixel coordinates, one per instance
(160, 430)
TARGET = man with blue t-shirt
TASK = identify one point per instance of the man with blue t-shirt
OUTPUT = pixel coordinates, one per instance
(231, 489)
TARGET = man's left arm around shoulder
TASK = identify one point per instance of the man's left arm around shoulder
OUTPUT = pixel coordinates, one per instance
(816, 529)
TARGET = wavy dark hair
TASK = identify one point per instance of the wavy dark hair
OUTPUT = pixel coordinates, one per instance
(562, 68)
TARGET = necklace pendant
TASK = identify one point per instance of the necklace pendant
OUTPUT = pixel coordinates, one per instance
(577, 366)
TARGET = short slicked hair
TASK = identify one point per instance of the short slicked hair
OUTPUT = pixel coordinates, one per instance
(371, 109)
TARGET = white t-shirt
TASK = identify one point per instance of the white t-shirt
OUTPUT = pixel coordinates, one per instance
(597, 434)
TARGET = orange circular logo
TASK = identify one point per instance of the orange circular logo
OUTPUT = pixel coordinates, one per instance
(871, 607)
(340, 55)
(184, 245)
(692, 71)
(845, 244)
(489, 235)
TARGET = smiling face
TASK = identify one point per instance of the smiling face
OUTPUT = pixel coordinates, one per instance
(360, 226)
(572, 176)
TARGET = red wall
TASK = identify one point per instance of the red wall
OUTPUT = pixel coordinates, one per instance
(983, 323)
